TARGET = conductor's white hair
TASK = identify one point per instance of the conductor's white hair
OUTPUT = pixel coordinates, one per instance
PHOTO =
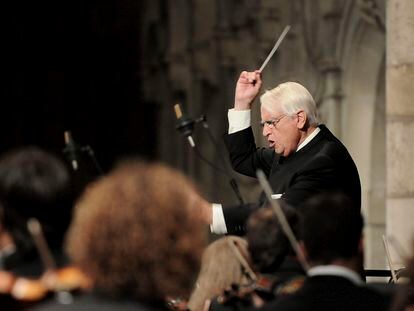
(289, 98)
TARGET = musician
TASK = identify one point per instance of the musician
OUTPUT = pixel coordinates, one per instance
(278, 270)
(225, 263)
(271, 252)
(138, 236)
(33, 184)
(303, 159)
(332, 242)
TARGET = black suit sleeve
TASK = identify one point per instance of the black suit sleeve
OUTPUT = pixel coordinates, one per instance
(236, 217)
(245, 158)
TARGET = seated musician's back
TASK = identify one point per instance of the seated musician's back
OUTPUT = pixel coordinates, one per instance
(331, 233)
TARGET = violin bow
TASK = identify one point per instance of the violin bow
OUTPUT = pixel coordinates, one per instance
(282, 219)
(388, 254)
(35, 229)
(237, 253)
(63, 296)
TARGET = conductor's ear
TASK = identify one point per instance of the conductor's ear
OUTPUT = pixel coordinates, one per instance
(302, 119)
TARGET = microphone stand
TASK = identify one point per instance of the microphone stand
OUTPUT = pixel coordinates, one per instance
(203, 119)
(89, 151)
(72, 147)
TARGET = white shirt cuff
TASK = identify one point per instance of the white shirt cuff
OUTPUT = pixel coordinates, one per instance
(238, 120)
(219, 225)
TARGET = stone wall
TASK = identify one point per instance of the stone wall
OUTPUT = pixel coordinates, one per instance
(336, 49)
(400, 126)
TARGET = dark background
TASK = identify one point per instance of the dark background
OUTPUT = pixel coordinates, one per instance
(75, 65)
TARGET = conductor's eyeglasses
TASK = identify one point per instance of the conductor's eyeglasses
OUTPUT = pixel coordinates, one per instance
(272, 123)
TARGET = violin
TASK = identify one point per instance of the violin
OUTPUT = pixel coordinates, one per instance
(264, 289)
(177, 304)
(22, 289)
(61, 282)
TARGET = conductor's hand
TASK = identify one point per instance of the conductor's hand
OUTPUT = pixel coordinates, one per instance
(247, 88)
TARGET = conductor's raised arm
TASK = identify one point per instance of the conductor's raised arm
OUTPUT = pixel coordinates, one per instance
(247, 88)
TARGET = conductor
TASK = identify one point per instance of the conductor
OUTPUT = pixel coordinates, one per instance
(303, 157)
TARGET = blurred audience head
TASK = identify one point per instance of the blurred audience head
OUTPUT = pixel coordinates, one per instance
(137, 234)
(331, 229)
(268, 245)
(35, 184)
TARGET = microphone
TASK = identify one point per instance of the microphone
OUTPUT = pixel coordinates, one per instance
(70, 150)
(184, 125)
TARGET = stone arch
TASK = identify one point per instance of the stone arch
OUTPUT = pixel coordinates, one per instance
(361, 50)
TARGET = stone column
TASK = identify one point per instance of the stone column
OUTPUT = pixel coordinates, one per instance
(400, 124)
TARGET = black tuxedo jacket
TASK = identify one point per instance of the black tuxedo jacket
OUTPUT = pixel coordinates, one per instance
(331, 293)
(323, 165)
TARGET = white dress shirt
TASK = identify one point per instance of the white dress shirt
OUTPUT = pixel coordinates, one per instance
(336, 271)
